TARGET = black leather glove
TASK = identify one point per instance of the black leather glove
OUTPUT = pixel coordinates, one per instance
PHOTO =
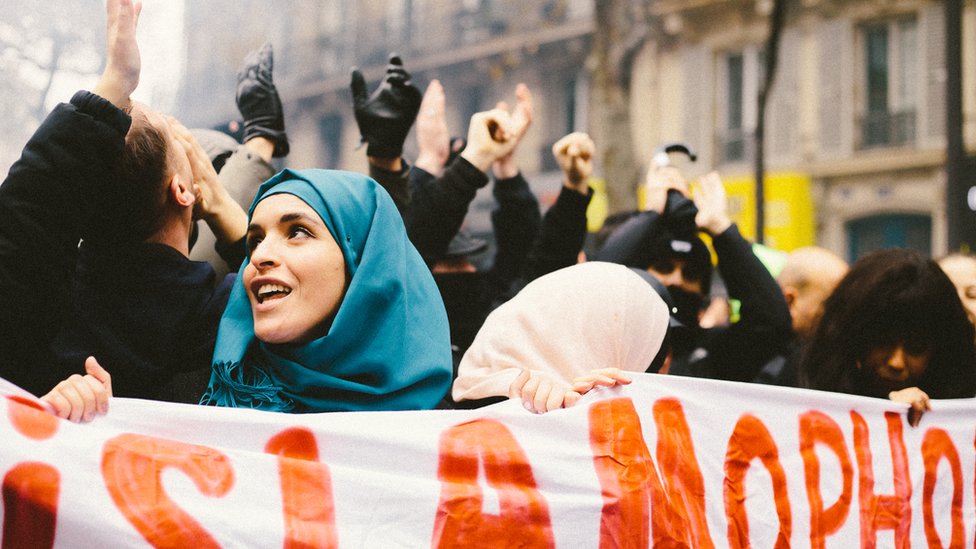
(258, 101)
(679, 214)
(385, 117)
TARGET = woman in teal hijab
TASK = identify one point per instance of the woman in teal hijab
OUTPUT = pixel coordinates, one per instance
(333, 308)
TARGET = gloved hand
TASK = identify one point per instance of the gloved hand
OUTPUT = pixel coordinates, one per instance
(258, 101)
(385, 117)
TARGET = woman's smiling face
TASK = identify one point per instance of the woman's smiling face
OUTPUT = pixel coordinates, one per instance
(296, 276)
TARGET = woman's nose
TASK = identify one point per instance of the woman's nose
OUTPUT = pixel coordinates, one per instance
(263, 255)
(896, 361)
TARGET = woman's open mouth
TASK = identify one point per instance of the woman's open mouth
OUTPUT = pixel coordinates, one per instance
(271, 291)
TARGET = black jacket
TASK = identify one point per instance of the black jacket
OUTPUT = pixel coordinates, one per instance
(434, 208)
(144, 312)
(734, 352)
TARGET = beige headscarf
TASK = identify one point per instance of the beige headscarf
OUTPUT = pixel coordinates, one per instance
(562, 325)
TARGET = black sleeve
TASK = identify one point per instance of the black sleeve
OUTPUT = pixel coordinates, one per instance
(438, 206)
(397, 184)
(58, 182)
(764, 327)
(627, 244)
(515, 223)
(233, 253)
(561, 236)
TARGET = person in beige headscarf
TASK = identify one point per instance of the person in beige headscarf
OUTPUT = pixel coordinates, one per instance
(565, 333)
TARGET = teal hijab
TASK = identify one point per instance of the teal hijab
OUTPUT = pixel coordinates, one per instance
(389, 345)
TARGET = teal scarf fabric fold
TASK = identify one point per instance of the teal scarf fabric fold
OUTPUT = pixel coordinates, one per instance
(388, 347)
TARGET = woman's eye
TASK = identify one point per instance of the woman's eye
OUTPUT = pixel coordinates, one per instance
(299, 231)
(252, 243)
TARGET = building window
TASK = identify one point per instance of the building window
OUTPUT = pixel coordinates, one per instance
(735, 142)
(889, 231)
(740, 73)
(891, 83)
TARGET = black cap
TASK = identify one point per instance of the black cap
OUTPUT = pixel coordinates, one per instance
(463, 244)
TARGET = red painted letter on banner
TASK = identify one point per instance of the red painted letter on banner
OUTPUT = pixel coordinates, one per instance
(883, 512)
(750, 440)
(683, 480)
(937, 446)
(30, 420)
(818, 428)
(523, 520)
(30, 506)
(629, 481)
(132, 467)
(306, 490)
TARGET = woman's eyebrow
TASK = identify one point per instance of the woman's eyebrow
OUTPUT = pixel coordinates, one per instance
(287, 218)
(297, 216)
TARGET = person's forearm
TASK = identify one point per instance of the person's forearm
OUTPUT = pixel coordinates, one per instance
(394, 178)
(438, 207)
(114, 91)
(747, 279)
(261, 146)
(226, 218)
(389, 164)
(430, 163)
(561, 236)
(516, 223)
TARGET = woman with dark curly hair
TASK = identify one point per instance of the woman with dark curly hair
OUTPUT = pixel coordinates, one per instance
(893, 328)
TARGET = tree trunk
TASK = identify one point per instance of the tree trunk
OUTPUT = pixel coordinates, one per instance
(621, 29)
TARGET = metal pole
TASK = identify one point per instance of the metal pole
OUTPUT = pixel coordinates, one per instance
(960, 205)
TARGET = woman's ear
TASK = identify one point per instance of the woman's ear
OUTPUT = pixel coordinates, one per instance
(790, 294)
(182, 191)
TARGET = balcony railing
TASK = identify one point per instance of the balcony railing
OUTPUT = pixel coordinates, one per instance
(886, 129)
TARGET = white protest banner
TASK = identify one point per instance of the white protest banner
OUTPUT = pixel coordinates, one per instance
(663, 462)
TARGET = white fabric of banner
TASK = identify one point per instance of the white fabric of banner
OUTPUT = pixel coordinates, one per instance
(666, 459)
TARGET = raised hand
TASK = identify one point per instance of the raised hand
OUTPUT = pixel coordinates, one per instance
(660, 180)
(123, 63)
(80, 398)
(258, 101)
(385, 117)
(490, 137)
(574, 154)
(223, 214)
(433, 138)
(712, 204)
(521, 118)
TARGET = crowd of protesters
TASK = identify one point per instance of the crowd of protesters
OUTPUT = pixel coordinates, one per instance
(340, 291)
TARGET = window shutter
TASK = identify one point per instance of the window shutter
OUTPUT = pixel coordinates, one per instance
(698, 68)
(932, 64)
(836, 84)
(782, 114)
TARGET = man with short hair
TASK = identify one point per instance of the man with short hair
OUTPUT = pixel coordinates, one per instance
(809, 276)
(128, 182)
(807, 279)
